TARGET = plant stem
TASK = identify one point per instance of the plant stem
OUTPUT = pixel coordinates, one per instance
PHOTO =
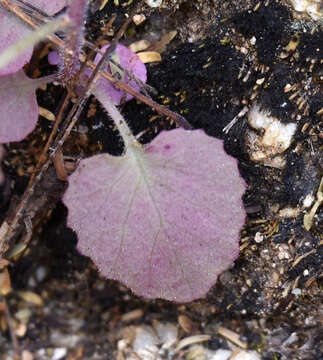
(76, 12)
(124, 130)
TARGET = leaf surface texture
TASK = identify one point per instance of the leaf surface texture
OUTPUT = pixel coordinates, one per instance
(164, 219)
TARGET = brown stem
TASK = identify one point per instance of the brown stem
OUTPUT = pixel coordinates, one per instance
(11, 329)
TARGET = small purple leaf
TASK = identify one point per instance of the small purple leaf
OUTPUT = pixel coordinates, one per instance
(129, 61)
(54, 58)
(19, 109)
(13, 29)
(164, 220)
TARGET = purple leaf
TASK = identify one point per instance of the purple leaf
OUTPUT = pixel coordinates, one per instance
(54, 58)
(19, 109)
(164, 220)
(49, 7)
(129, 61)
(13, 29)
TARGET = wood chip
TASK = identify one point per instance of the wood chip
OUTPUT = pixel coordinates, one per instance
(2, 306)
(257, 6)
(196, 339)
(103, 3)
(26, 355)
(140, 45)
(305, 127)
(4, 230)
(3, 263)
(46, 114)
(160, 45)
(309, 217)
(149, 56)
(132, 315)
(5, 282)
(60, 166)
(309, 281)
(21, 330)
(3, 323)
(287, 88)
(232, 337)
(138, 18)
(260, 81)
(77, 354)
(186, 324)
(31, 297)
(293, 43)
(16, 250)
(293, 96)
(300, 258)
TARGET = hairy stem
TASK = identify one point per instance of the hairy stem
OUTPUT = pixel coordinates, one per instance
(124, 130)
(74, 40)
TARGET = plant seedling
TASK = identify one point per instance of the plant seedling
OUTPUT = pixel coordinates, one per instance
(164, 218)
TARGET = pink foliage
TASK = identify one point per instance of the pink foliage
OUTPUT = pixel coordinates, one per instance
(163, 220)
(13, 29)
(54, 58)
(19, 109)
(129, 61)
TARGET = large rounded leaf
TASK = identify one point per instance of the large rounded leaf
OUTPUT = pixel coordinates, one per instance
(164, 220)
(13, 29)
(19, 109)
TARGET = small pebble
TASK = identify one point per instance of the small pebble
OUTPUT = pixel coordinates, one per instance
(41, 273)
(154, 3)
(259, 237)
(221, 354)
(246, 355)
(26, 355)
(296, 291)
(59, 353)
